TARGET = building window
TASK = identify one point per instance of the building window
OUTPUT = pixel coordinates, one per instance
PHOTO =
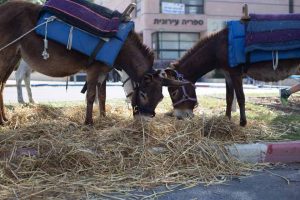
(182, 6)
(138, 7)
(170, 46)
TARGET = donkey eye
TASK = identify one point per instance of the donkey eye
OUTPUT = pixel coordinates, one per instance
(142, 94)
(174, 93)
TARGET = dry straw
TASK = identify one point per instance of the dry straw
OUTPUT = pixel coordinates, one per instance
(46, 152)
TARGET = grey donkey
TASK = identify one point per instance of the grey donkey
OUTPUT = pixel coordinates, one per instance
(23, 73)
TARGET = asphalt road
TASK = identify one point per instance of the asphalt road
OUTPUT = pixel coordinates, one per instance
(279, 183)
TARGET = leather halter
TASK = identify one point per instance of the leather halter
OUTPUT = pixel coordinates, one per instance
(185, 97)
(136, 89)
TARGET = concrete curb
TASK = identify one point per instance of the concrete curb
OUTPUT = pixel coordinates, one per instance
(279, 152)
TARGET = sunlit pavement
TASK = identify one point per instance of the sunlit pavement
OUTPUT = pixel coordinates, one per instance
(55, 92)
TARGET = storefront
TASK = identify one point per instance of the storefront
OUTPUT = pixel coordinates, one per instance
(171, 27)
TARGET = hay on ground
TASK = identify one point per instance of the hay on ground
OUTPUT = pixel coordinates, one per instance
(46, 152)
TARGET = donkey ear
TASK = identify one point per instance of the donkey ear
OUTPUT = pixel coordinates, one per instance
(174, 83)
(170, 73)
(148, 78)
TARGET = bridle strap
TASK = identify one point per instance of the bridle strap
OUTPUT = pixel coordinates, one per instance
(136, 88)
(185, 96)
(124, 83)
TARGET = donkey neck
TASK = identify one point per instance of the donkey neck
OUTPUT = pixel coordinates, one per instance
(128, 85)
(198, 61)
(135, 58)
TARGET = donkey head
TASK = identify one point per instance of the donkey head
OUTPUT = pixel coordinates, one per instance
(136, 60)
(183, 97)
(148, 93)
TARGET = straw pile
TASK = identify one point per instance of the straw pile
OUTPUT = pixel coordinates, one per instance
(46, 152)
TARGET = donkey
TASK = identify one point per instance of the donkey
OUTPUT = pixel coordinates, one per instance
(16, 18)
(23, 73)
(212, 53)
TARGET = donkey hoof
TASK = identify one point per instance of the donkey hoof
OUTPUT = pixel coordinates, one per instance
(243, 123)
(2, 122)
(102, 115)
(89, 123)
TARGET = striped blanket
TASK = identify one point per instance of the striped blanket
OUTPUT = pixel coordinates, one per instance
(264, 38)
(273, 32)
(87, 16)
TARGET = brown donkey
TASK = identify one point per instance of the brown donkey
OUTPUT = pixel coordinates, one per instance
(16, 18)
(211, 53)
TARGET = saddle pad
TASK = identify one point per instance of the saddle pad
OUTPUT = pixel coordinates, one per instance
(87, 16)
(273, 32)
(237, 48)
(83, 41)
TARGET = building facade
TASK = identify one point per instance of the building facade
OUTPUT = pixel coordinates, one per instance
(171, 27)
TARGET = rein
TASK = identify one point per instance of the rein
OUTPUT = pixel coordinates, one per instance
(185, 97)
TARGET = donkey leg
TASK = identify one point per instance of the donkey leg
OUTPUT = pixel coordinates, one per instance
(229, 94)
(237, 82)
(229, 98)
(3, 117)
(93, 74)
(28, 87)
(90, 97)
(19, 91)
(8, 61)
(2, 120)
(102, 97)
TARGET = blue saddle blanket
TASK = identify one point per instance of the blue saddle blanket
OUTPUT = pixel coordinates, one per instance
(255, 39)
(83, 41)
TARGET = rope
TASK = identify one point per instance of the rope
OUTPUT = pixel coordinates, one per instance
(50, 19)
(70, 39)
(275, 60)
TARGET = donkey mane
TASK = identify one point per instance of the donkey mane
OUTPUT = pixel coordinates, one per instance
(199, 45)
(144, 49)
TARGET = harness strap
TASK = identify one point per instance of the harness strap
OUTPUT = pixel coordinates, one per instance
(84, 88)
(96, 50)
(247, 63)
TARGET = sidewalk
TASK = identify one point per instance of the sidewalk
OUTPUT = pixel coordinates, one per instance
(12, 83)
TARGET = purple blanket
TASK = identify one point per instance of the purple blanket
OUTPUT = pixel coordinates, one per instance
(272, 32)
(87, 16)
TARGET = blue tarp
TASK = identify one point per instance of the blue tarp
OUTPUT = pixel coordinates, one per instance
(237, 50)
(85, 42)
